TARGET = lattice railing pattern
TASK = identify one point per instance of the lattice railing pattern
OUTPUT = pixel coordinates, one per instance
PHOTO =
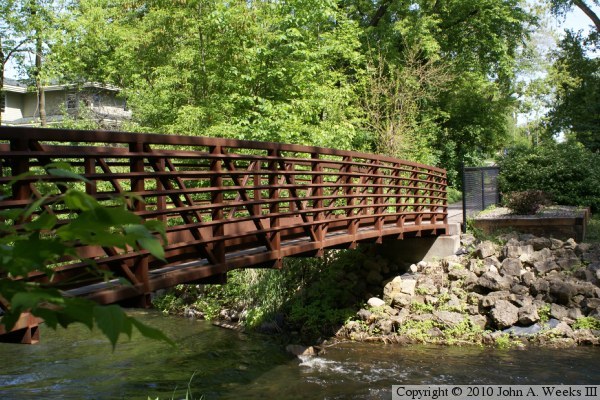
(227, 203)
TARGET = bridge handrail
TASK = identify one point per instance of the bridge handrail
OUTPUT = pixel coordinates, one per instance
(227, 203)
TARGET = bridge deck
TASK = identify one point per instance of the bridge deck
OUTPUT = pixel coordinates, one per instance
(226, 203)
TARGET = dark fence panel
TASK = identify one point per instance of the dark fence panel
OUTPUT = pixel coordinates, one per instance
(480, 190)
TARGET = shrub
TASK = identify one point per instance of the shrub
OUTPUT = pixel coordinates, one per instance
(567, 172)
(525, 203)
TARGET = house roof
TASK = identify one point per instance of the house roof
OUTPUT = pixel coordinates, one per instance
(15, 86)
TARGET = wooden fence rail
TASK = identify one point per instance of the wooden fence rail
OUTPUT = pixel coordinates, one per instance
(226, 203)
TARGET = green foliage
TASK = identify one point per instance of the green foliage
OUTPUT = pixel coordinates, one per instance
(527, 202)
(326, 297)
(438, 88)
(587, 323)
(454, 195)
(544, 313)
(567, 172)
(504, 341)
(39, 242)
(592, 234)
(576, 104)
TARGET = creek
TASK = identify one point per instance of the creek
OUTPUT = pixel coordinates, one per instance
(218, 363)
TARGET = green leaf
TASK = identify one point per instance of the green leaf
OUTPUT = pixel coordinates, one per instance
(45, 221)
(154, 246)
(79, 201)
(33, 207)
(151, 333)
(63, 173)
(112, 321)
(79, 310)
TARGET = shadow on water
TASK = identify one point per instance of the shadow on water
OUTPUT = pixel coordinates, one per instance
(75, 364)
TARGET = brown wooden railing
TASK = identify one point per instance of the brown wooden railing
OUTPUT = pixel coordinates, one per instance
(227, 203)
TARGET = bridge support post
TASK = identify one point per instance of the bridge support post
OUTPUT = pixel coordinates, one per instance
(415, 249)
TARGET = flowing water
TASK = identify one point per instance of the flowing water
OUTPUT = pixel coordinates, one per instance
(221, 364)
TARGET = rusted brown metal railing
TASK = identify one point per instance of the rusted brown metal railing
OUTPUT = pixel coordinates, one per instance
(227, 203)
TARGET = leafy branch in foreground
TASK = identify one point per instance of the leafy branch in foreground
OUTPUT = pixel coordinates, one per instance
(33, 239)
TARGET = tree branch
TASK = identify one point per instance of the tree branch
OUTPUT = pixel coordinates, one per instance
(589, 12)
(13, 51)
(379, 13)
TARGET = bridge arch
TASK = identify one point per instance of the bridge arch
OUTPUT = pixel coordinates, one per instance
(227, 203)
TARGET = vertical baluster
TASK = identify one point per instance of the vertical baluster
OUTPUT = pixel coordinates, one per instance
(136, 165)
(21, 190)
(349, 192)
(317, 181)
(217, 197)
(378, 200)
(161, 200)
(274, 205)
(89, 165)
(141, 272)
(257, 192)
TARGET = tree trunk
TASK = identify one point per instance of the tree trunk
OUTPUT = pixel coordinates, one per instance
(589, 12)
(1, 77)
(38, 81)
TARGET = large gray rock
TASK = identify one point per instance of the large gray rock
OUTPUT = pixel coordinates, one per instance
(511, 266)
(562, 291)
(527, 278)
(449, 318)
(491, 299)
(401, 300)
(528, 315)
(478, 320)
(582, 248)
(556, 244)
(519, 289)
(543, 267)
(558, 312)
(456, 273)
(568, 264)
(539, 287)
(504, 314)
(491, 262)
(386, 326)
(375, 302)
(493, 281)
(539, 256)
(485, 249)
(364, 315)
(592, 304)
(570, 244)
(563, 329)
(540, 243)
(397, 286)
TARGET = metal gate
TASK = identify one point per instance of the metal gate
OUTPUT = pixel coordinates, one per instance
(480, 190)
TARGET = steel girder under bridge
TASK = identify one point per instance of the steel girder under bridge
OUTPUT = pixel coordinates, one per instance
(226, 203)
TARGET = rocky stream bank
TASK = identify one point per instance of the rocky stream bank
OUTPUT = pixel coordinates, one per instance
(531, 290)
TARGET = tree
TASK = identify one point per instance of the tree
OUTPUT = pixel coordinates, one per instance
(395, 103)
(477, 42)
(281, 71)
(575, 108)
(12, 37)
